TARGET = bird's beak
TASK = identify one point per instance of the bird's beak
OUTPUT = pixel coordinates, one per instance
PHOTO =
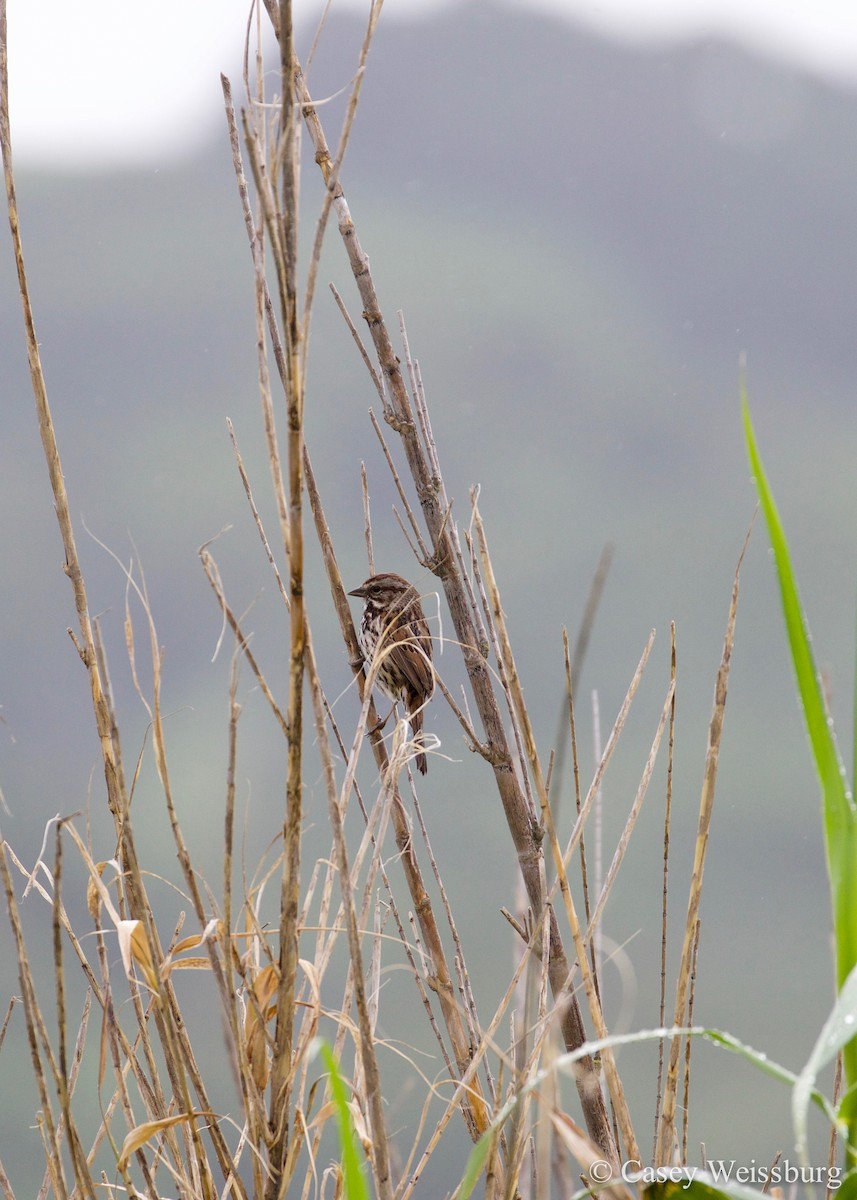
(361, 592)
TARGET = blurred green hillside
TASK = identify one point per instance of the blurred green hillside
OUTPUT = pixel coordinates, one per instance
(584, 237)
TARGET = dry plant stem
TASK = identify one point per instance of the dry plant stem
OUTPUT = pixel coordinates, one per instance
(158, 741)
(367, 362)
(474, 1111)
(101, 658)
(418, 393)
(593, 600)
(662, 1008)
(213, 576)
(520, 763)
(615, 732)
(264, 308)
(254, 1114)
(281, 223)
(367, 519)
(521, 724)
(248, 491)
(5, 1184)
(424, 555)
(836, 1097)
(64, 1081)
(666, 1126)
(10, 1008)
(586, 1076)
(596, 590)
(472, 741)
(532, 1026)
(548, 1102)
(347, 124)
(685, 1106)
(282, 227)
(572, 733)
(229, 815)
(34, 1021)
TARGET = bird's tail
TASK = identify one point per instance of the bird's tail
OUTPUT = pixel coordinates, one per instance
(415, 720)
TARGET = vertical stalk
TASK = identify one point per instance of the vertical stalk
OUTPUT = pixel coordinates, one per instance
(290, 889)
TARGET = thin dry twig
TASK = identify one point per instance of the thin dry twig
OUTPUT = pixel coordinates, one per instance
(584, 875)
(666, 1127)
(423, 555)
(367, 361)
(662, 1006)
(581, 645)
(367, 519)
(685, 1102)
(260, 529)
(212, 574)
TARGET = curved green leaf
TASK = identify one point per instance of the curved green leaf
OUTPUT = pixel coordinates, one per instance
(840, 814)
(354, 1181)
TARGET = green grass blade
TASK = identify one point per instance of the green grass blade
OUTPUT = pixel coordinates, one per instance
(853, 732)
(840, 821)
(354, 1181)
(840, 816)
(696, 1184)
(837, 1032)
(475, 1163)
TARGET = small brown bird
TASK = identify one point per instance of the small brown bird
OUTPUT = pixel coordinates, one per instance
(393, 616)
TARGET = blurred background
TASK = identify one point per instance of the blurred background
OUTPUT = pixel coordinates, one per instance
(587, 214)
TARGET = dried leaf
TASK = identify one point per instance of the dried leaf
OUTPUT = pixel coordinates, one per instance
(134, 948)
(140, 1134)
(264, 988)
(323, 1115)
(360, 1126)
(197, 964)
(212, 932)
(93, 898)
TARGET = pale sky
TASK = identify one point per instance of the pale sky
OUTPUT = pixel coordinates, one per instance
(112, 81)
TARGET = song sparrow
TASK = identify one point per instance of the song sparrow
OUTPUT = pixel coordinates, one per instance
(393, 617)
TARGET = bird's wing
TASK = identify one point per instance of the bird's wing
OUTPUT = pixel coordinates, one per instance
(412, 656)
